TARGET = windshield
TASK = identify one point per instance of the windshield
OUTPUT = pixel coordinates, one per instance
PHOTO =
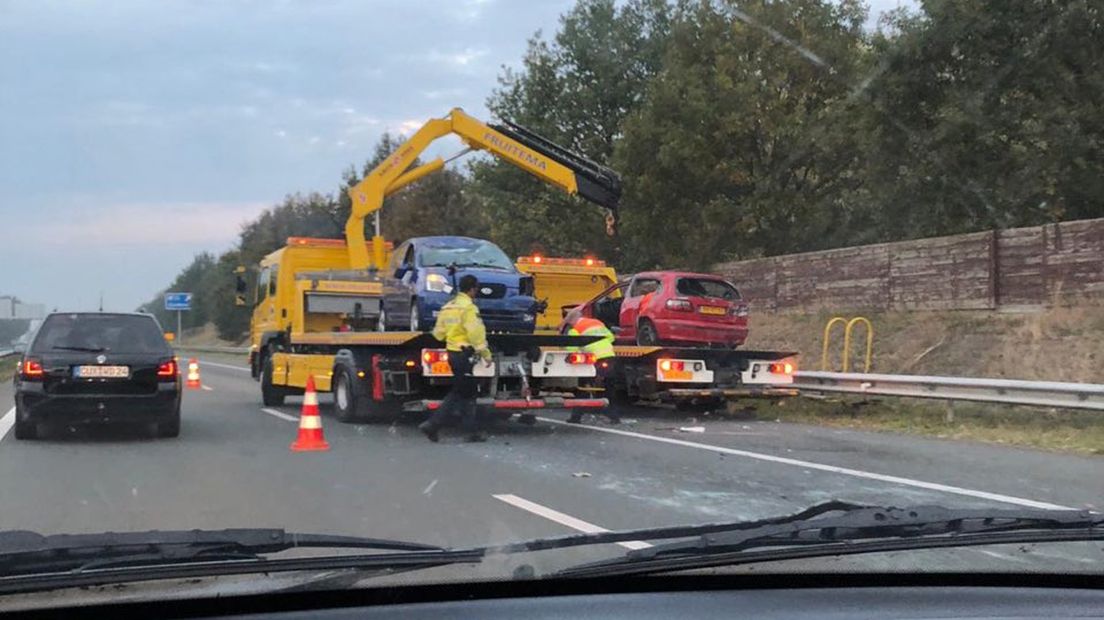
(859, 245)
(464, 254)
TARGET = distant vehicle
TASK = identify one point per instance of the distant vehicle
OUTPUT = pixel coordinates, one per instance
(426, 270)
(673, 308)
(19, 345)
(94, 368)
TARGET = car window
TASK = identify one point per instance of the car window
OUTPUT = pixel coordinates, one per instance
(272, 279)
(707, 287)
(116, 333)
(643, 286)
(262, 283)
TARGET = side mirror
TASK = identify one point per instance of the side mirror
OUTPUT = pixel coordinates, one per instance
(169, 336)
(240, 287)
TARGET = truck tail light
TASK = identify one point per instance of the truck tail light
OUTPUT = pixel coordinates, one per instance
(581, 358)
(739, 310)
(430, 356)
(167, 370)
(669, 365)
(782, 368)
(31, 370)
(681, 305)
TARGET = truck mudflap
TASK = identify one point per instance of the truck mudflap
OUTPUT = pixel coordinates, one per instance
(551, 402)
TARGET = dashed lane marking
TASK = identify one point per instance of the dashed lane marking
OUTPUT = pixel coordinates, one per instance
(563, 519)
(280, 414)
(207, 388)
(858, 473)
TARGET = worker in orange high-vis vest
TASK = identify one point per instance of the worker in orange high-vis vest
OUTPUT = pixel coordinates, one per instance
(605, 359)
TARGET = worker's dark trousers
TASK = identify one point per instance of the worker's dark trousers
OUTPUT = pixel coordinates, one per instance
(460, 402)
(604, 378)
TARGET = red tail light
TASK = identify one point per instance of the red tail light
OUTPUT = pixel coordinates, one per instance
(431, 356)
(31, 370)
(581, 358)
(782, 368)
(167, 369)
(682, 305)
(668, 365)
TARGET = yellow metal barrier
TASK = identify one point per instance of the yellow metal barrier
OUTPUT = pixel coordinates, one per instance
(848, 326)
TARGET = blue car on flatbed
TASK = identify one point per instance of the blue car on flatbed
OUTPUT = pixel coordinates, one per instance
(426, 270)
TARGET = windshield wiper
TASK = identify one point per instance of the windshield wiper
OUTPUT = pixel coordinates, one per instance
(831, 529)
(77, 348)
(30, 561)
(484, 265)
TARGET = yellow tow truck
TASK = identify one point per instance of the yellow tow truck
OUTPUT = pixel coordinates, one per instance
(318, 301)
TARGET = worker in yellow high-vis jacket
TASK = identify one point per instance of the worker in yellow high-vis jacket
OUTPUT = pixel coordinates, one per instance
(604, 361)
(461, 329)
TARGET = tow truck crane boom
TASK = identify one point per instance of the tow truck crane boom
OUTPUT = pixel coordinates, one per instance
(571, 172)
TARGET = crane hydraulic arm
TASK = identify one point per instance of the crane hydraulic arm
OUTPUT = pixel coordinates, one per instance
(513, 143)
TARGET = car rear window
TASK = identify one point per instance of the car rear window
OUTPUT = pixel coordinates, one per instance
(703, 287)
(119, 333)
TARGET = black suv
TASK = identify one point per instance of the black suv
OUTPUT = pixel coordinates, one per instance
(97, 367)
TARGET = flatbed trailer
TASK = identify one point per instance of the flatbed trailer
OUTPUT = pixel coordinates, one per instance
(379, 376)
(699, 377)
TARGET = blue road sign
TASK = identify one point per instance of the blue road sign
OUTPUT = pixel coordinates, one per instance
(178, 301)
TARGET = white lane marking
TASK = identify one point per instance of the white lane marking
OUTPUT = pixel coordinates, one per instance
(7, 421)
(207, 388)
(931, 486)
(429, 489)
(217, 365)
(562, 519)
(280, 414)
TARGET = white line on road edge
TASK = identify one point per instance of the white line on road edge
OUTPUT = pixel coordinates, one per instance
(280, 414)
(207, 388)
(229, 366)
(7, 422)
(931, 486)
(562, 519)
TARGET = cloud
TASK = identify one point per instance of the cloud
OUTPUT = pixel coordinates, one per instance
(469, 10)
(204, 224)
(460, 59)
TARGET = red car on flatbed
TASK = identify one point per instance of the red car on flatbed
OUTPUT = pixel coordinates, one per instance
(678, 308)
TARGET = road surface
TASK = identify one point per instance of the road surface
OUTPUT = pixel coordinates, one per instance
(231, 467)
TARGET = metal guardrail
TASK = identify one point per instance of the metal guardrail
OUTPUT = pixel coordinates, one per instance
(1004, 391)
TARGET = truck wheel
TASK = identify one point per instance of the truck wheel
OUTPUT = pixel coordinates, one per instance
(352, 404)
(271, 395)
(646, 334)
(345, 397)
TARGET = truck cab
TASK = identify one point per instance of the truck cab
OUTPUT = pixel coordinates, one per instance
(424, 272)
(306, 286)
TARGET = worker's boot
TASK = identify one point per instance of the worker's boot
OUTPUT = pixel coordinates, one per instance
(429, 429)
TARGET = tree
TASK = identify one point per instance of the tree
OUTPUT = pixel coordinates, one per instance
(575, 91)
(986, 118)
(741, 146)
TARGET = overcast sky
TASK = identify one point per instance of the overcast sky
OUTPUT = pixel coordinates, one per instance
(134, 134)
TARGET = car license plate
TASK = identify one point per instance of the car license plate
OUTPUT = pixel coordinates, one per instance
(712, 310)
(102, 372)
(675, 375)
(440, 368)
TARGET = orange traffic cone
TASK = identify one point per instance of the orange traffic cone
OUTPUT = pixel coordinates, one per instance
(193, 374)
(310, 423)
